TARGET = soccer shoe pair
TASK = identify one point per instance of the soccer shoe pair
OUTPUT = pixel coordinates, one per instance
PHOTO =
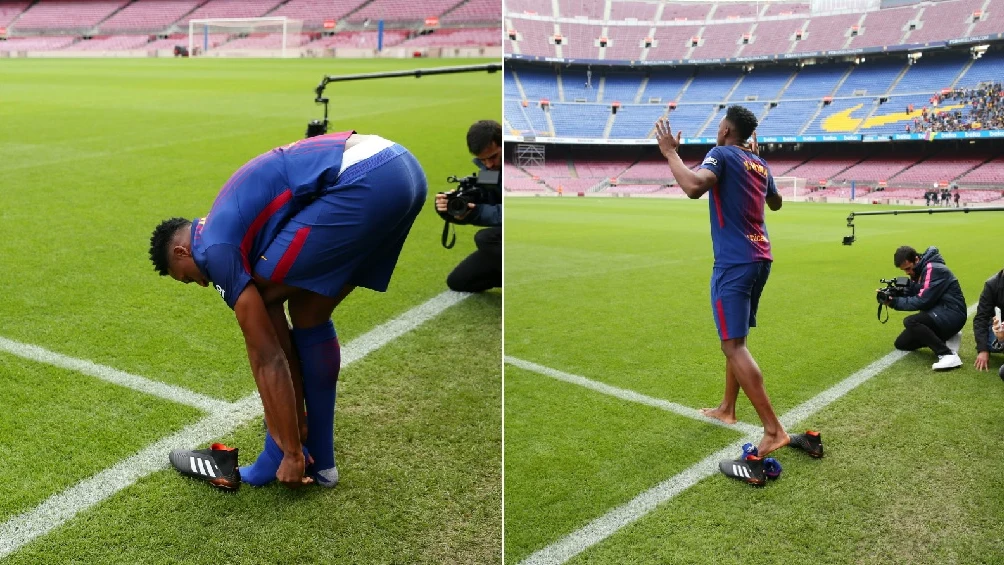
(216, 465)
(751, 468)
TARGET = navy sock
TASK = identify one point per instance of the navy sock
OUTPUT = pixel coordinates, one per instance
(320, 360)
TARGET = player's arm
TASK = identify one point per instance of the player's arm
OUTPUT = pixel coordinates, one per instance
(275, 384)
(277, 314)
(693, 184)
(774, 200)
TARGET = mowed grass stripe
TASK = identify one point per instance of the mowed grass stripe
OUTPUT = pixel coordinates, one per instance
(167, 392)
(60, 508)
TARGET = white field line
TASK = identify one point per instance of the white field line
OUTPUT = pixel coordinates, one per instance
(61, 507)
(162, 390)
(603, 527)
(629, 395)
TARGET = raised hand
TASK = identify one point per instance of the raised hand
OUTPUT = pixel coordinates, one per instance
(664, 134)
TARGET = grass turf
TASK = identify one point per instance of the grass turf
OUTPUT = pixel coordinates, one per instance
(617, 291)
(98, 152)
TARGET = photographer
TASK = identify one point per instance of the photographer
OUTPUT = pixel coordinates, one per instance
(936, 293)
(482, 269)
(986, 341)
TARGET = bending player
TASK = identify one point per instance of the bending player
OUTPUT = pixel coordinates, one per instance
(301, 225)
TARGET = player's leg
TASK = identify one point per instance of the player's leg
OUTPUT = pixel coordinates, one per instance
(723, 287)
(726, 410)
(750, 379)
(317, 347)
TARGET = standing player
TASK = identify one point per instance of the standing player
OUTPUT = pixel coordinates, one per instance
(740, 183)
(302, 224)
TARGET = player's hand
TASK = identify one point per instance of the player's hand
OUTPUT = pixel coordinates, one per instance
(754, 146)
(291, 471)
(664, 134)
(982, 361)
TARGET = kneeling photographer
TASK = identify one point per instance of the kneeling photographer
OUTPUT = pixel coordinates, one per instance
(478, 202)
(936, 293)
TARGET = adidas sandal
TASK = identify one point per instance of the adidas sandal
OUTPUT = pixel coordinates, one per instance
(810, 442)
(216, 465)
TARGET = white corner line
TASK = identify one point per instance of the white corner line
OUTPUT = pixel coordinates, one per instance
(606, 525)
(629, 395)
(166, 391)
(61, 507)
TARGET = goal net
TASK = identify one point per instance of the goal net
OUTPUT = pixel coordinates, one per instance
(248, 37)
(791, 189)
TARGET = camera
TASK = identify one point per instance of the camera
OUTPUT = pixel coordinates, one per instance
(893, 288)
(478, 188)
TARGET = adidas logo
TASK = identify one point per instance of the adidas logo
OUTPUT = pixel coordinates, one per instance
(740, 471)
(207, 470)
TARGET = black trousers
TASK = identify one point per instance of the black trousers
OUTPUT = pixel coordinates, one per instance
(482, 269)
(920, 331)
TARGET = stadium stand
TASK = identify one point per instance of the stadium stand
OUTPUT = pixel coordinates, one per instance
(102, 27)
(869, 90)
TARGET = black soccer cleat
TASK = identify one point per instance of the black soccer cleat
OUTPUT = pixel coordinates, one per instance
(749, 470)
(216, 465)
(810, 442)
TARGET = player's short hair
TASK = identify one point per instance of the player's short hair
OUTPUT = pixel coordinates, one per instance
(160, 242)
(481, 134)
(904, 253)
(743, 120)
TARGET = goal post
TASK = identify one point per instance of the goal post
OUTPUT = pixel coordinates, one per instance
(265, 35)
(791, 188)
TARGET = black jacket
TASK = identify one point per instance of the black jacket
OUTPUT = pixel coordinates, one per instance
(935, 291)
(992, 295)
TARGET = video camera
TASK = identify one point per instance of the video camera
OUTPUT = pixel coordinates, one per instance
(898, 286)
(893, 288)
(478, 188)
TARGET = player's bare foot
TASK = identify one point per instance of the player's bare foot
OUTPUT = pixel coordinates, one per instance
(729, 417)
(773, 442)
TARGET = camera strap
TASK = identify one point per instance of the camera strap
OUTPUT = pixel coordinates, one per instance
(879, 313)
(446, 230)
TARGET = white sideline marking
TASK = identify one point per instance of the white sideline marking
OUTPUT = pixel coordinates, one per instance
(162, 390)
(608, 524)
(629, 395)
(61, 507)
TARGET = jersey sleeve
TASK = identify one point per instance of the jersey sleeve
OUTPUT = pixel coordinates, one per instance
(714, 161)
(225, 267)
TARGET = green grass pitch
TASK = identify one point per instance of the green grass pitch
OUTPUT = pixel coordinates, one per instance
(616, 290)
(94, 154)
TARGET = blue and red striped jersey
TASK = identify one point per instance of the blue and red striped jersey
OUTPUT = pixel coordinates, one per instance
(738, 231)
(256, 202)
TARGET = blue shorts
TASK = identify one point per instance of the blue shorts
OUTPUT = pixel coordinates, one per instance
(735, 296)
(353, 233)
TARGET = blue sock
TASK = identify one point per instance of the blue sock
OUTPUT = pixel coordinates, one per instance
(262, 471)
(320, 360)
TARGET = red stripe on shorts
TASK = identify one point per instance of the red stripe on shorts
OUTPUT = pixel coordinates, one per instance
(721, 319)
(289, 257)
